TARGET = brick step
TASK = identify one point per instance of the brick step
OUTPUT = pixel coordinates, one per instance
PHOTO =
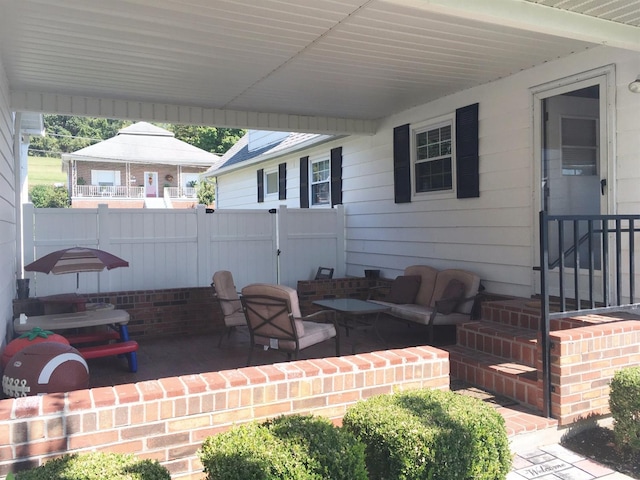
(518, 312)
(496, 374)
(517, 344)
(526, 313)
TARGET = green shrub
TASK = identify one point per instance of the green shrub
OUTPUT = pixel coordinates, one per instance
(252, 452)
(336, 453)
(48, 196)
(286, 448)
(624, 403)
(97, 466)
(430, 434)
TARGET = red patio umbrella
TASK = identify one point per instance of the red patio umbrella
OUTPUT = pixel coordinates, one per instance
(76, 260)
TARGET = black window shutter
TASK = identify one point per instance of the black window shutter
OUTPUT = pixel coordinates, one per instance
(304, 182)
(282, 181)
(336, 176)
(402, 164)
(260, 185)
(467, 156)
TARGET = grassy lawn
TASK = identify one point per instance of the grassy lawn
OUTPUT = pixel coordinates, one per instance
(45, 171)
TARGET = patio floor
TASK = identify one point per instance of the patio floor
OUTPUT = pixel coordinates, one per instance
(169, 357)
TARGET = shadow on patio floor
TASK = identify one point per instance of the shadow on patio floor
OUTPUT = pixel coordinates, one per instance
(171, 357)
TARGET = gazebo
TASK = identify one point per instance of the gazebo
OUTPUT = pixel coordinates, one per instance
(143, 165)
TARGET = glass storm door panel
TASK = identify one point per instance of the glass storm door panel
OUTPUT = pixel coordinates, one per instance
(571, 163)
(573, 130)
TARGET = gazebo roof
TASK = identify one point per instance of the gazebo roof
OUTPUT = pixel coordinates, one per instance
(145, 143)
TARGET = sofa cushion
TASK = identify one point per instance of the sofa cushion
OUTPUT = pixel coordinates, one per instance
(404, 289)
(428, 280)
(471, 281)
(419, 314)
(452, 295)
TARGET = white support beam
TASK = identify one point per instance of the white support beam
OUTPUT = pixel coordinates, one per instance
(181, 114)
(530, 16)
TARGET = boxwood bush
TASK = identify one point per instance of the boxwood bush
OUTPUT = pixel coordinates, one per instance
(97, 466)
(286, 448)
(430, 434)
(624, 403)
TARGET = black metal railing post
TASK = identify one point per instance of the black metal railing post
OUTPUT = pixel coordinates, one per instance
(544, 315)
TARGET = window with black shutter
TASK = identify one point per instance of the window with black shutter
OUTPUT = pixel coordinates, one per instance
(431, 160)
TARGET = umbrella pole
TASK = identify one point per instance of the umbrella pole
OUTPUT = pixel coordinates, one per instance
(77, 281)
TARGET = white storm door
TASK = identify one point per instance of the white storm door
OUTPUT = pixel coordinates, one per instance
(573, 150)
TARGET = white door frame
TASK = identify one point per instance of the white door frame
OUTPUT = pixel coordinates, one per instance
(605, 77)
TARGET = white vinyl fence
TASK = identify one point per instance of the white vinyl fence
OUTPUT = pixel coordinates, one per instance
(176, 248)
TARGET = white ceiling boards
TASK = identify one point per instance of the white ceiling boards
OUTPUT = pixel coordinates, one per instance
(294, 65)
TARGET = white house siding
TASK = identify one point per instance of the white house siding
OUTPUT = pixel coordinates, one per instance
(493, 235)
(7, 210)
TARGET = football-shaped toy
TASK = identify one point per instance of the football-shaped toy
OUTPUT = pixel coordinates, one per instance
(47, 367)
(35, 335)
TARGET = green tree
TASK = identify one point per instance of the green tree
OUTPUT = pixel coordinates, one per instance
(66, 134)
(211, 139)
(206, 192)
(48, 196)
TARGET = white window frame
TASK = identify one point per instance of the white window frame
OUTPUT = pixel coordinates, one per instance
(424, 127)
(267, 173)
(189, 177)
(313, 182)
(595, 148)
(96, 174)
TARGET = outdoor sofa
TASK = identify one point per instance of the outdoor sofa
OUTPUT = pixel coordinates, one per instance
(430, 297)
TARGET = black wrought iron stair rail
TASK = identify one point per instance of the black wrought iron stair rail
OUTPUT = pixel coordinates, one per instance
(599, 229)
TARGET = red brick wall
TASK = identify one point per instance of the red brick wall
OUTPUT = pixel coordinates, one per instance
(352, 287)
(178, 311)
(168, 419)
(583, 362)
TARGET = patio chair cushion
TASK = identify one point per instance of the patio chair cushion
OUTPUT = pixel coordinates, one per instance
(282, 292)
(404, 289)
(226, 291)
(314, 333)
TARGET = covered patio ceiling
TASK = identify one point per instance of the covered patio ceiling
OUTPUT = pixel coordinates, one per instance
(326, 66)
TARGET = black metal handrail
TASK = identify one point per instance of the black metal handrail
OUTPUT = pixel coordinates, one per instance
(598, 227)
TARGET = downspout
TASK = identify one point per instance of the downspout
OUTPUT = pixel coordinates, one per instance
(17, 169)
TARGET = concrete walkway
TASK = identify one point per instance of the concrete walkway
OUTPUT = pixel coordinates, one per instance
(554, 462)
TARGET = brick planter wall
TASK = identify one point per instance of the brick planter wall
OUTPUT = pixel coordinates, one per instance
(168, 419)
(583, 361)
